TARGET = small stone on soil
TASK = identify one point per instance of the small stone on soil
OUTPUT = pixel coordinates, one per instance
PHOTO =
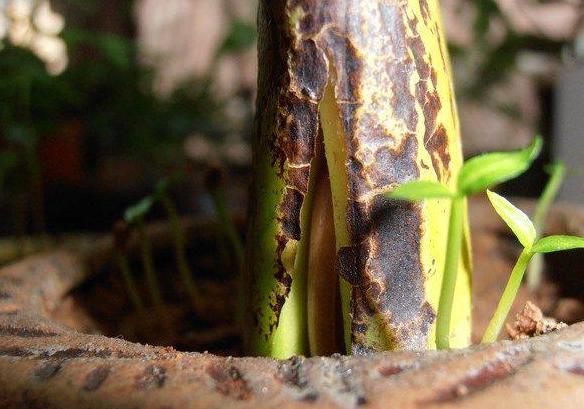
(531, 322)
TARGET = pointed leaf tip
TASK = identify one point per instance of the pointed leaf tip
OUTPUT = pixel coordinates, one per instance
(484, 171)
(420, 190)
(551, 244)
(517, 221)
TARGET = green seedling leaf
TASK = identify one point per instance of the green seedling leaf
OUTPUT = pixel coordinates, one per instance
(517, 221)
(420, 190)
(551, 244)
(485, 171)
(139, 210)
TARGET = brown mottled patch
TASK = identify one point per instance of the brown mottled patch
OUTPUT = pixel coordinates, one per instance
(351, 262)
(437, 146)
(387, 371)
(96, 377)
(154, 376)
(290, 213)
(297, 126)
(47, 370)
(229, 381)
(26, 332)
(298, 178)
(347, 64)
(308, 62)
(481, 378)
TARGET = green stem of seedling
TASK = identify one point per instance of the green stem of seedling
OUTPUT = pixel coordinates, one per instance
(148, 262)
(534, 273)
(507, 298)
(453, 246)
(124, 267)
(226, 224)
(180, 248)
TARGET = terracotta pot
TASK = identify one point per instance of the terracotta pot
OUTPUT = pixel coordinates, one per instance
(44, 364)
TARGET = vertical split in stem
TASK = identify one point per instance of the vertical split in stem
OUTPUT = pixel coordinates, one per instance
(453, 247)
(506, 301)
(323, 296)
(336, 158)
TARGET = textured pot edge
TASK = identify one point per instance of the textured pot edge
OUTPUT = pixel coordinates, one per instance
(44, 364)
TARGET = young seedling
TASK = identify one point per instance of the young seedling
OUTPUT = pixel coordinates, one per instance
(526, 233)
(215, 185)
(476, 175)
(161, 194)
(557, 173)
(134, 216)
(120, 237)
(214, 181)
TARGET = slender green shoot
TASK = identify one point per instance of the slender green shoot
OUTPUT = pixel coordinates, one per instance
(557, 173)
(135, 216)
(179, 243)
(453, 248)
(525, 232)
(120, 238)
(214, 182)
(124, 267)
(476, 175)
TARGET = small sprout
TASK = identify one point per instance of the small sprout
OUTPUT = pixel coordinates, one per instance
(524, 229)
(557, 173)
(476, 175)
(121, 234)
(214, 181)
(134, 215)
(162, 195)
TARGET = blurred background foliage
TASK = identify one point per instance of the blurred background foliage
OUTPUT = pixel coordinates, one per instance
(101, 99)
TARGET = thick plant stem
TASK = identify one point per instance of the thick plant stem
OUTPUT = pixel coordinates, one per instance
(148, 264)
(375, 80)
(506, 301)
(451, 264)
(124, 268)
(336, 158)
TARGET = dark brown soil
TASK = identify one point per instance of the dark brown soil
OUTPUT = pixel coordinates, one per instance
(101, 304)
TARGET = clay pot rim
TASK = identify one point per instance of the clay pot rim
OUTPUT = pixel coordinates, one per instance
(42, 361)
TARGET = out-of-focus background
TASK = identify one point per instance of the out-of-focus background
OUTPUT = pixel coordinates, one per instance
(101, 99)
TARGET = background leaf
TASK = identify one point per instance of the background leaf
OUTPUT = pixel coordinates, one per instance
(420, 190)
(558, 243)
(485, 171)
(517, 221)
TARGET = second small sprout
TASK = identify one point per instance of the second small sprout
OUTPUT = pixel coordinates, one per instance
(526, 233)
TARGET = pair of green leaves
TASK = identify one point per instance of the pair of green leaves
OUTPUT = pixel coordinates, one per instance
(477, 175)
(525, 231)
